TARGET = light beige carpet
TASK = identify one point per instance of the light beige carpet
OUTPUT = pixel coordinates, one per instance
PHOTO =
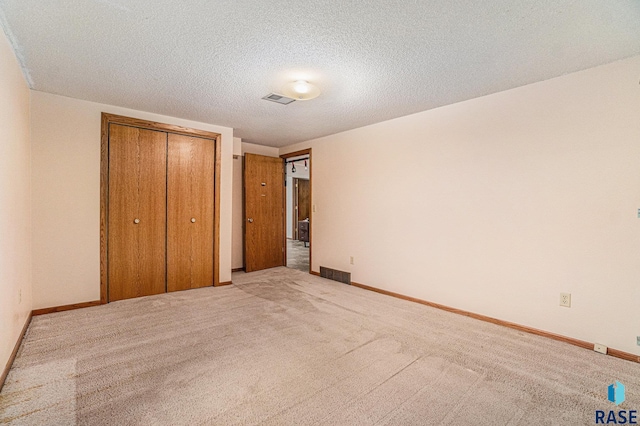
(284, 347)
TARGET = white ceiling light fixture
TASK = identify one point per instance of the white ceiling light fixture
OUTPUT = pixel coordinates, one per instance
(301, 90)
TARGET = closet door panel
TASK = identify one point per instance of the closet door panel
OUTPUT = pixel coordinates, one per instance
(190, 212)
(137, 212)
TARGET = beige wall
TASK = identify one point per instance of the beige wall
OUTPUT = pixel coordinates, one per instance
(66, 196)
(15, 202)
(251, 148)
(497, 204)
(237, 250)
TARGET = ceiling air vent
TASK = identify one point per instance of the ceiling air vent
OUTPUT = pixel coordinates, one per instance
(280, 99)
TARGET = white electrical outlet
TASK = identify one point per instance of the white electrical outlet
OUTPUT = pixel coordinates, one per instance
(565, 300)
(638, 340)
(314, 208)
(600, 348)
(351, 260)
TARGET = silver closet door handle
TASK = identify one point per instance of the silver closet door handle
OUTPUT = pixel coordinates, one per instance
(193, 220)
(250, 220)
(136, 221)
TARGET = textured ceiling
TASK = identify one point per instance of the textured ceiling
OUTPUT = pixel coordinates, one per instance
(213, 61)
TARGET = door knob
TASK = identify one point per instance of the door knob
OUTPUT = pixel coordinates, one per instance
(136, 221)
(193, 220)
(250, 220)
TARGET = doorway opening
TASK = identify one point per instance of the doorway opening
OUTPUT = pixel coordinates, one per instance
(298, 209)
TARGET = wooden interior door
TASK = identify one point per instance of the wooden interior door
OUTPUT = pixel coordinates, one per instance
(264, 212)
(304, 199)
(136, 212)
(190, 204)
(301, 201)
(294, 211)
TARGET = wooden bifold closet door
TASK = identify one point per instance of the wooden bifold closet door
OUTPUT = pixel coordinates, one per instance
(189, 213)
(137, 212)
(160, 214)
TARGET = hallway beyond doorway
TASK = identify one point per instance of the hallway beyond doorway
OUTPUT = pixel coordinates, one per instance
(297, 255)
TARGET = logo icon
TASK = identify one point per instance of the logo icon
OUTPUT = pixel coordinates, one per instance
(616, 393)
